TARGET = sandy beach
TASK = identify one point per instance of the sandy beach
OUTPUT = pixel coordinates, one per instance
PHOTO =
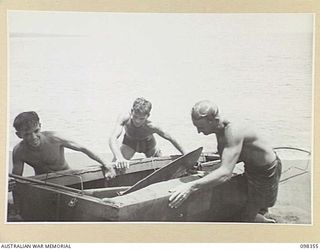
(294, 198)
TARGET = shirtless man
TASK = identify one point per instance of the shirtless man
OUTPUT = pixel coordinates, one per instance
(44, 151)
(235, 143)
(138, 135)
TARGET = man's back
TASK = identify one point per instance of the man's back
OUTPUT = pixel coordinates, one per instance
(255, 149)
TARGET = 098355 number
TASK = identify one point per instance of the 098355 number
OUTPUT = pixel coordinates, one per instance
(309, 246)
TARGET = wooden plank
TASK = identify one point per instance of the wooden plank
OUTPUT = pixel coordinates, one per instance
(46, 203)
(174, 169)
(152, 163)
(92, 173)
(108, 192)
(151, 203)
(30, 180)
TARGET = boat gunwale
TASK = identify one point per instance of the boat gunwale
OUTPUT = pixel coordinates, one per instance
(74, 194)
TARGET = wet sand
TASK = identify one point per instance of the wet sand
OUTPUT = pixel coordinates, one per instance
(293, 205)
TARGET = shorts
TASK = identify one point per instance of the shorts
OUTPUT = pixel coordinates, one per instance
(263, 183)
(140, 146)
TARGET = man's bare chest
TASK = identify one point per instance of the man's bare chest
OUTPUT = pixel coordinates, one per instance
(47, 155)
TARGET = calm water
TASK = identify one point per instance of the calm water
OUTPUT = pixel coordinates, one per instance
(78, 85)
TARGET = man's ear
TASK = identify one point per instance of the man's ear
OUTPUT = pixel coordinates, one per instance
(18, 134)
(214, 119)
(39, 125)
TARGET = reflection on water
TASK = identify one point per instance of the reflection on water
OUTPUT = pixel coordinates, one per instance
(79, 85)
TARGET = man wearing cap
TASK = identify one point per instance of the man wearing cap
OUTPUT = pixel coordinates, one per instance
(235, 143)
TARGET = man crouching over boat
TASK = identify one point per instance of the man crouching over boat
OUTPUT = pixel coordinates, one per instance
(235, 143)
(44, 151)
(138, 136)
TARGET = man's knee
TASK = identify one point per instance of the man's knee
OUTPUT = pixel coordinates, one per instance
(127, 152)
(158, 153)
(155, 152)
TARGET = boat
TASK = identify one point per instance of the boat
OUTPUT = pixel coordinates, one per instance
(140, 193)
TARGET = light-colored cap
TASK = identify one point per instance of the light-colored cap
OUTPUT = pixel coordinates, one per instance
(204, 109)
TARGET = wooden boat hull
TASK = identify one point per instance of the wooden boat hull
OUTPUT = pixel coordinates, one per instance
(44, 203)
(91, 199)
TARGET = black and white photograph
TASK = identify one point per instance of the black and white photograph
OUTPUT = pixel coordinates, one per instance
(160, 117)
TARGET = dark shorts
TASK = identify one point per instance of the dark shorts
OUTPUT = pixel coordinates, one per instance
(140, 146)
(263, 183)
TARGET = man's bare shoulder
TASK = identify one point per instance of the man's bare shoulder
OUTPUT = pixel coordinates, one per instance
(123, 118)
(235, 131)
(241, 131)
(18, 150)
(155, 126)
(49, 133)
(151, 124)
(52, 136)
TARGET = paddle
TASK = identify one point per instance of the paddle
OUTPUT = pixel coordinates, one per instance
(174, 169)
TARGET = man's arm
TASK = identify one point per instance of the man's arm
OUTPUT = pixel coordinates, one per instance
(17, 169)
(168, 137)
(116, 132)
(18, 164)
(229, 159)
(77, 147)
(121, 162)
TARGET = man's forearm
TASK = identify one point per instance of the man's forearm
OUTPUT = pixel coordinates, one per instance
(177, 146)
(115, 149)
(93, 156)
(213, 179)
(18, 169)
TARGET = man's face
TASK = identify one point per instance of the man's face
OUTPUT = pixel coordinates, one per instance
(138, 119)
(31, 135)
(204, 126)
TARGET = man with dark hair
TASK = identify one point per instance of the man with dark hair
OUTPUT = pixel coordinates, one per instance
(138, 135)
(44, 151)
(235, 143)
